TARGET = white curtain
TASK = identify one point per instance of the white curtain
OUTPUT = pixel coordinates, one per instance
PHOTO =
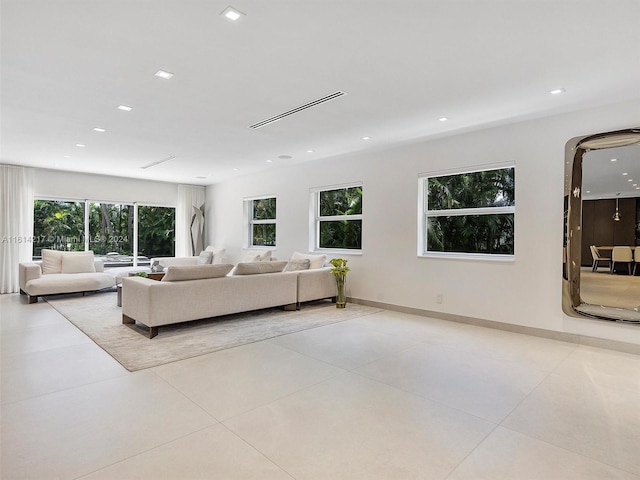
(16, 223)
(188, 197)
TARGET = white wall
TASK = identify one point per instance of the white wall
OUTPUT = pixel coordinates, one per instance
(83, 186)
(524, 292)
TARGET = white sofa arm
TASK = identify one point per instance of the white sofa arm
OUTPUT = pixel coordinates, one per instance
(28, 271)
(99, 264)
(316, 284)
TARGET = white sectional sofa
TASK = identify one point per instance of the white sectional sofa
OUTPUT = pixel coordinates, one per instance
(203, 291)
(63, 272)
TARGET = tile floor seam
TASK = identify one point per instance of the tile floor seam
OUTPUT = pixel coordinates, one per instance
(423, 397)
(247, 442)
(84, 475)
(284, 396)
(495, 427)
(184, 395)
(581, 454)
(341, 367)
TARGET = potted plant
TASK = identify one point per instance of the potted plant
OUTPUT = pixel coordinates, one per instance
(340, 270)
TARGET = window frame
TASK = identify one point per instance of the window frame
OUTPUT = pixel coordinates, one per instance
(250, 222)
(424, 214)
(315, 219)
(86, 236)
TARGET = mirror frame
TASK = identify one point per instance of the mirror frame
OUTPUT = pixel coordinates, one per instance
(572, 303)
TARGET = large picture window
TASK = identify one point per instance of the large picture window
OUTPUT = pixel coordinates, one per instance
(470, 213)
(262, 222)
(62, 224)
(338, 218)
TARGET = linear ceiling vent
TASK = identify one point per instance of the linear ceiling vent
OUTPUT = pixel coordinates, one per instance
(297, 109)
(158, 162)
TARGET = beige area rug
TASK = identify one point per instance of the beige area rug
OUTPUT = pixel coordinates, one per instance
(101, 320)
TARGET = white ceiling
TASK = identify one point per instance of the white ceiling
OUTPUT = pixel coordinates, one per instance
(67, 65)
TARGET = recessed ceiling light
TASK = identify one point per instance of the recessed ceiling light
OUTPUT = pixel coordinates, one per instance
(165, 75)
(557, 91)
(366, 138)
(269, 161)
(231, 13)
(67, 156)
(614, 159)
(635, 184)
(625, 173)
(81, 145)
(309, 151)
(588, 191)
(124, 108)
(235, 170)
(443, 119)
(98, 129)
(630, 180)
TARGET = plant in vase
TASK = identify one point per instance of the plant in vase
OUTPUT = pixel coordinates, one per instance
(340, 270)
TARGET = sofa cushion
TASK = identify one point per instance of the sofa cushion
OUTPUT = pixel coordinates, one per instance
(316, 261)
(218, 253)
(266, 256)
(250, 257)
(52, 260)
(205, 258)
(77, 263)
(295, 265)
(196, 272)
(254, 268)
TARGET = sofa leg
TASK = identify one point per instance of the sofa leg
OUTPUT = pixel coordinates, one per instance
(153, 331)
(290, 308)
(22, 292)
(127, 320)
(32, 298)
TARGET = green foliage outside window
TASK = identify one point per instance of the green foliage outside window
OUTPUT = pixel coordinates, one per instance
(60, 225)
(487, 232)
(336, 232)
(263, 226)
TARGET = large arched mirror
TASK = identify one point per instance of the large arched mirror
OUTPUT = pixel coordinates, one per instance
(601, 275)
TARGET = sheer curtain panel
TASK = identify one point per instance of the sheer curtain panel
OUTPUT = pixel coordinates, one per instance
(189, 197)
(16, 223)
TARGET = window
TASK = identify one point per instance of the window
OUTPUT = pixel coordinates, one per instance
(262, 222)
(110, 228)
(58, 224)
(471, 213)
(338, 218)
(156, 231)
(62, 224)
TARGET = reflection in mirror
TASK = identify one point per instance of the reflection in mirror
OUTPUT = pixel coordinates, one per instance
(602, 211)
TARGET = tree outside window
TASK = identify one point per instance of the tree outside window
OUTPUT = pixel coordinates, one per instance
(339, 218)
(471, 212)
(262, 224)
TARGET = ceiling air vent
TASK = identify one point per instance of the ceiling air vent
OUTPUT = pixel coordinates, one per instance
(297, 109)
(158, 162)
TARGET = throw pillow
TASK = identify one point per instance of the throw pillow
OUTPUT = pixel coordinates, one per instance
(205, 258)
(196, 272)
(317, 261)
(250, 257)
(77, 263)
(51, 261)
(266, 256)
(256, 268)
(295, 265)
(218, 253)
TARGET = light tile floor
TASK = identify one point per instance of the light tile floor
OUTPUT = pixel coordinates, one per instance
(386, 396)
